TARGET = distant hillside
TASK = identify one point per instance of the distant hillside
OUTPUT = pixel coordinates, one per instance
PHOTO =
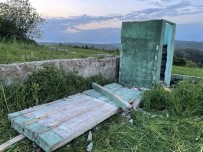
(108, 46)
(99, 46)
(189, 44)
(178, 44)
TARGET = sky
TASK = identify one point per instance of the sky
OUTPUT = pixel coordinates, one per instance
(99, 21)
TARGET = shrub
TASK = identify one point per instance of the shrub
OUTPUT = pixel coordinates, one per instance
(185, 99)
(179, 61)
(156, 99)
(191, 64)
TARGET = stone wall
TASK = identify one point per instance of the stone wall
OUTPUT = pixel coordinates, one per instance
(175, 78)
(108, 68)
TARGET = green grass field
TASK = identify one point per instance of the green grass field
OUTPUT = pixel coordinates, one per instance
(178, 128)
(20, 52)
(190, 71)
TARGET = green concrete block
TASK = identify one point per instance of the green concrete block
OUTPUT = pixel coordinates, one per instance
(141, 52)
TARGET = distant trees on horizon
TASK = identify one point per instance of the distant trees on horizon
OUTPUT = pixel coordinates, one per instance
(188, 57)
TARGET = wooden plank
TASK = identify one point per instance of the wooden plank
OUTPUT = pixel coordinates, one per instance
(122, 91)
(115, 98)
(132, 96)
(19, 122)
(93, 93)
(69, 130)
(43, 106)
(128, 95)
(52, 112)
(85, 128)
(11, 142)
(113, 86)
(33, 131)
(52, 129)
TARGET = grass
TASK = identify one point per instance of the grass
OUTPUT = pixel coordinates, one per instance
(198, 72)
(170, 121)
(173, 126)
(16, 52)
(184, 100)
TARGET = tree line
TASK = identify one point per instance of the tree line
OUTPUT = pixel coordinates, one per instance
(188, 57)
(89, 47)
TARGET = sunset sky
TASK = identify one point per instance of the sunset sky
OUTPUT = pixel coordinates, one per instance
(99, 21)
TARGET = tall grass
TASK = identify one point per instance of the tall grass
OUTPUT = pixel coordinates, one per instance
(185, 99)
(15, 52)
(165, 127)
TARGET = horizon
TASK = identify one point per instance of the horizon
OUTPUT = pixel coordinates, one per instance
(100, 21)
(107, 42)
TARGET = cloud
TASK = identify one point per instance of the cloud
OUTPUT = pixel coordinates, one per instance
(161, 9)
(84, 28)
(95, 25)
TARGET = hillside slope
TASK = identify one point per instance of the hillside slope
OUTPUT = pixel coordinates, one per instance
(109, 46)
(189, 44)
(20, 52)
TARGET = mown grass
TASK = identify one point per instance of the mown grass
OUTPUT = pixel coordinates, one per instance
(15, 52)
(190, 71)
(163, 125)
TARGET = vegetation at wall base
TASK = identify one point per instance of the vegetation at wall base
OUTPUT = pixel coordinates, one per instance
(163, 125)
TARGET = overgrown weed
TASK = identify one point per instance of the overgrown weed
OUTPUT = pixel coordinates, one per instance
(185, 99)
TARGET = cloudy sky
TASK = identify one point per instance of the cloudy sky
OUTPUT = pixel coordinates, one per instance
(99, 21)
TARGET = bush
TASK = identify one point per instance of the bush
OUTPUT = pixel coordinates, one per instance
(156, 99)
(179, 61)
(191, 64)
(185, 99)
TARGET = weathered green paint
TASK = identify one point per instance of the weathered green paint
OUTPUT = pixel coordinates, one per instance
(169, 40)
(141, 52)
(127, 94)
(113, 97)
(18, 122)
(13, 115)
(31, 130)
(95, 94)
(113, 86)
(48, 139)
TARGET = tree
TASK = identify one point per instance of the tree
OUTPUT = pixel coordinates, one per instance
(22, 17)
(7, 28)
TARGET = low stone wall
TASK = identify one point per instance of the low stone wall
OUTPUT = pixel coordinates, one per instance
(176, 77)
(107, 67)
